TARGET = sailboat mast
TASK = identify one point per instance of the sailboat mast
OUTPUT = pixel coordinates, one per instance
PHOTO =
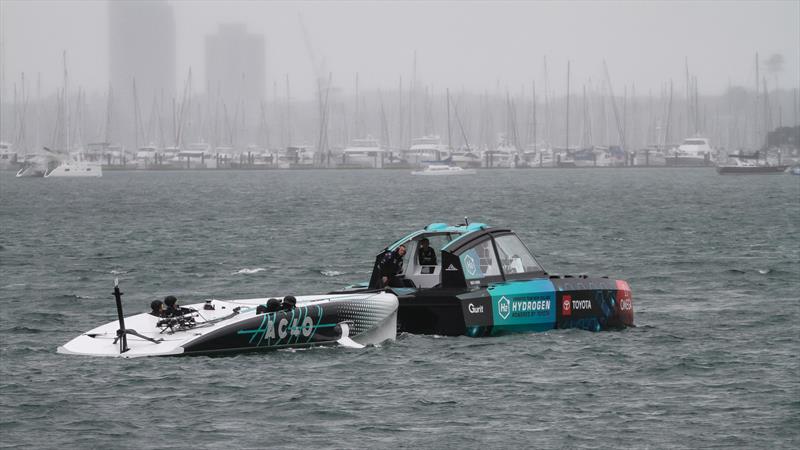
(567, 124)
(533, 96)
(669, 116)
(135, 117)
(449, 134)
(356, 127)
(755, 111)
(65, 105)
(400, 114)
(688, 98)
(288, 111)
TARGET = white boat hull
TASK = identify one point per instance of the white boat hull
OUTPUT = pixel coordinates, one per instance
(76, 169)
(235, 326)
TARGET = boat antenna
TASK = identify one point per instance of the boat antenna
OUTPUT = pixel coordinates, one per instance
(122, 336)
(466, 220)
(122, 332)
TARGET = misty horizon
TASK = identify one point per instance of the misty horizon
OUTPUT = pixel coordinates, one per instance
(472, 46)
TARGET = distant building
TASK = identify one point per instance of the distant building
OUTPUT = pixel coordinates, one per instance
(236, 66)
(141, 46)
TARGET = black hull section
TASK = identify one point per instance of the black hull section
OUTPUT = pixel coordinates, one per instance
(759, 170)
(593, 304)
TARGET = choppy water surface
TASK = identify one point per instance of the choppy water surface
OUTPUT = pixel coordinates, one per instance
(712, 261)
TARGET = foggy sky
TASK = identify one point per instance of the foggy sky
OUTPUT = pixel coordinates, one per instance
(473, 45)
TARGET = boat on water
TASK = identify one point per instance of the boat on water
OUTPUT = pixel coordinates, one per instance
(248, 325)
(424, 150)
(8, 157)
(465, 158)
(486, 282)
(363, 153)
(34, 166)
(693, 152)
(73, 167)
(443, 169)
(750, 165)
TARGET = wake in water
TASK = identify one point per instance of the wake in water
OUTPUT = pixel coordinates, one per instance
(331, 273)
(246, 271)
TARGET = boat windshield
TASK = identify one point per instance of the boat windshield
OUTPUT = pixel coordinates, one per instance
(514, 256)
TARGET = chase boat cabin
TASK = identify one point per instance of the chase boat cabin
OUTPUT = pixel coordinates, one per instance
(487, 282)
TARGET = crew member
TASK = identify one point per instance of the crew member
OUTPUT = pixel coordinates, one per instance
(426, 256)
(273, 305)
(391, 265)
(173, 310)
(157, 308)
(288, 303)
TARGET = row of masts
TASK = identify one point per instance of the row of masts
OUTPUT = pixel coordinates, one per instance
(412, 110)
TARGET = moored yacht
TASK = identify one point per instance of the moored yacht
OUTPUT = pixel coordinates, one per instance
(426, 149)
(749, 165)
(8, 157)
(75, 166)
(363, 153)
(693, 152)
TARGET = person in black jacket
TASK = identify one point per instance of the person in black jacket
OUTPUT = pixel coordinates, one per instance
(157, 308)
(426, 256)
(173, 310)
(391, 265)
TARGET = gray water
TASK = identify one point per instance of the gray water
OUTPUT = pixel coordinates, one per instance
(713, 263)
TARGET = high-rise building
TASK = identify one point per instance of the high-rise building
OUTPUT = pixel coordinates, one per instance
(141, 47)
(236, 68)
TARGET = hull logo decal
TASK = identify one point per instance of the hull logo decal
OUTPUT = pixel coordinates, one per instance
(504, 307)
(470, 265)
(475, 309)
(566, 305)
(451, 268)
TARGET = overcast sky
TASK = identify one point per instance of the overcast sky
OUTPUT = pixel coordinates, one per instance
(475, 45)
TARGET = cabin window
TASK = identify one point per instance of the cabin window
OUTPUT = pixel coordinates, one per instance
(515, 257)
(480, 261)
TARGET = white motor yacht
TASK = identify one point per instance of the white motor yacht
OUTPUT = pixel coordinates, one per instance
(693, 152)
(73, 167)
(426, 149)
(363, 153)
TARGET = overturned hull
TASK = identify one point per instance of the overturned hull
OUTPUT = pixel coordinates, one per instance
(521, 306)
(236, 326)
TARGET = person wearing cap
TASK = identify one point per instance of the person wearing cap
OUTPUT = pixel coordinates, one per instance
(273, 305)
(289, 303)
(157, 308)
(426, 256)
(173, 310)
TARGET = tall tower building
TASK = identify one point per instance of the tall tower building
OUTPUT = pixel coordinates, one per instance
(141, 47)
(236, 71)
